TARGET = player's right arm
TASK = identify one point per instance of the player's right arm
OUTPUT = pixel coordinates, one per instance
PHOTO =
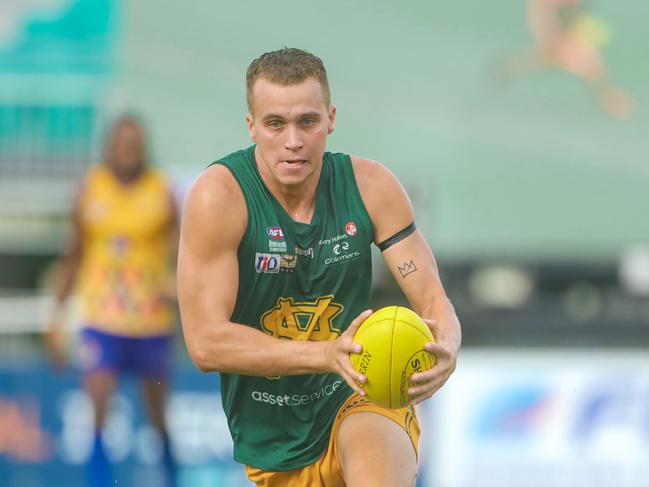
(213, 224)
(66, 276)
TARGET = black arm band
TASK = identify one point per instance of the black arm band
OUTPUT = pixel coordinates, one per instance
(397, 237)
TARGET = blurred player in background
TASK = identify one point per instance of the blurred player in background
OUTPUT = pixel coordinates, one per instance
(568, 38)
(274, 279)
(120, 261)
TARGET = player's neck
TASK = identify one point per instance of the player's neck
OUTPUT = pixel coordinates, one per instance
(299, 202)
(126, 177)
(302, 213)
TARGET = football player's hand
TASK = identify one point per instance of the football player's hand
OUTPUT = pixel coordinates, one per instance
(337, 354)
(427, 383)
(55, 342)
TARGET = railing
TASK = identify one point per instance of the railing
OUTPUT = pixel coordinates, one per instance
(45, 141)
(44, 150)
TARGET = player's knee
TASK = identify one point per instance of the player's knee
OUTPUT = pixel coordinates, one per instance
(375, 451)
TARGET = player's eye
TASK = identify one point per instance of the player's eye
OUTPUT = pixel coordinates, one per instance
(275, 124)
(309, 121)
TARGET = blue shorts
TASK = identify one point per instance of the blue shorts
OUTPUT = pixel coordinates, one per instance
(145, 357)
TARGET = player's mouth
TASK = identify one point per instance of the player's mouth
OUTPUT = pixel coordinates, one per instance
(295, 162)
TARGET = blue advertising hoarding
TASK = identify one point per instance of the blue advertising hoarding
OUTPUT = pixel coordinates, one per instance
(543, 418)
(46, 431)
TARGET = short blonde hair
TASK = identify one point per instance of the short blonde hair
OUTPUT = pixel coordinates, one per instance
(287, 66)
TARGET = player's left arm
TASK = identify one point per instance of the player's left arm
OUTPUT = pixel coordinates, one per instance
(411, 262)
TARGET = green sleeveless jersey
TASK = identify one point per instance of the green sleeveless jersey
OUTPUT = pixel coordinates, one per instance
(297, 281)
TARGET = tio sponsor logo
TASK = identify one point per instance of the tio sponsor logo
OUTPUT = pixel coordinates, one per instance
(350, 229)
(275, 233)
(267, 263)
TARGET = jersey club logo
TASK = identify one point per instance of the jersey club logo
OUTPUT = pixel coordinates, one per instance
(350, 229)
(303, 320)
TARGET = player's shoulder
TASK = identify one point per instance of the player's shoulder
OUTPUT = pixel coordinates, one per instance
(216, 195)
(94, 177)
(217, 179)
(157, 176)
(383, 196)
(373, 178)
(214, 211)
(95, 173)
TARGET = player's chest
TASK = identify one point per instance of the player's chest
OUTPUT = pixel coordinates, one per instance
(277, 248)
(134, 214)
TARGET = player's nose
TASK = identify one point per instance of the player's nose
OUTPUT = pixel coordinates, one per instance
(293, 138)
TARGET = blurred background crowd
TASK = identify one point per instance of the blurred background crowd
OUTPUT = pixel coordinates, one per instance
(518, 128)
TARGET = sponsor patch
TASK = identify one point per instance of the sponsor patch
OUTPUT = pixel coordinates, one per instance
(342, 252)
(303, 398)
(288, 263)
(334, 239)
(304, 252)
(267, 263)
(274, 246)
(337, 259)
(341, 247)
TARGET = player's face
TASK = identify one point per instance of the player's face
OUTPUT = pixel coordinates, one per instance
(290, 125)
(126, 149)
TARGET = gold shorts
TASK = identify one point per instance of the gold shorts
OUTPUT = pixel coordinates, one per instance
(326, 471)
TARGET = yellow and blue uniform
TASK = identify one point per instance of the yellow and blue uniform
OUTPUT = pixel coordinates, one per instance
(125, 272)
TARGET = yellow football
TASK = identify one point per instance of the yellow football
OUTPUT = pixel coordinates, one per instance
(393, 341)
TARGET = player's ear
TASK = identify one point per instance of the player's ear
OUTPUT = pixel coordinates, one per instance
(251, 127)
(332, 119)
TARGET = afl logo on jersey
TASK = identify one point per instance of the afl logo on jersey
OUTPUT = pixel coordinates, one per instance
(275, 233)
(350, 229)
